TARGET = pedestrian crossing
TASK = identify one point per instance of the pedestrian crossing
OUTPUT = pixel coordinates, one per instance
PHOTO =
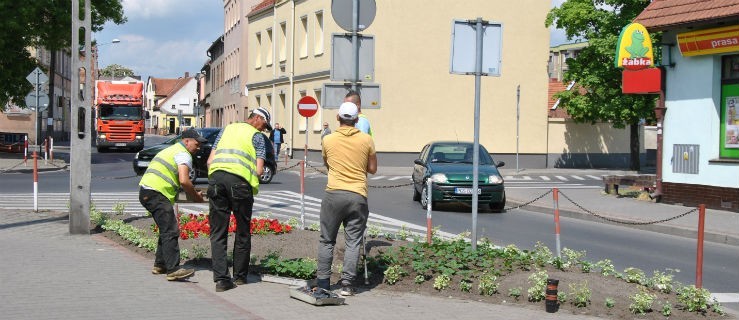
(507, 178)
(282, 205)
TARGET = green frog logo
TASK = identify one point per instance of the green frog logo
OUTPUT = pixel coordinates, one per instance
(637, 48)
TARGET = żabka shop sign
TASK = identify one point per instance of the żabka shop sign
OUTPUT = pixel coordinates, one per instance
(709, 41)
(634, 48)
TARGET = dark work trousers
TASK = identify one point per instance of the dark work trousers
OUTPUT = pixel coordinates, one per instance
(226, 193)
(168, 247)
(348, 208)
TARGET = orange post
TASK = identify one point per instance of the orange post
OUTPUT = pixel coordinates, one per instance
(699, 255)
(555, 194)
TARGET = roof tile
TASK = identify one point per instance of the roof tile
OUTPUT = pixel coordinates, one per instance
(666, 14)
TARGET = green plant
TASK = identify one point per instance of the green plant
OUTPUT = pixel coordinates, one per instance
(662, 281)
(667, 309)
(641, 302)
(542, 255)
(119, 208)
(97, 217)
(389, 236)
(572, 257)
(634, 275)
(293, 222)
(135, 235)
(515, 292)
(302, 268)
(606, 267)
(441, 282)
(419, 279)
(610, 303)
(374, 231)
(199, 251)
(562, 297)
(586, 266)
(465, 285)
(580, 294)
(314, 227)
(488, 284)
(403, 233)
(184, 254)
(538, 281)
(393, 274)
(694, 299)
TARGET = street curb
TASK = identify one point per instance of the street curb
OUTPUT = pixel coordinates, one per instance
(670, 230)
(30, 170)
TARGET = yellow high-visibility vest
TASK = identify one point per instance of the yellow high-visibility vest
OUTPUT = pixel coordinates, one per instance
(162, 174)
(235, 154)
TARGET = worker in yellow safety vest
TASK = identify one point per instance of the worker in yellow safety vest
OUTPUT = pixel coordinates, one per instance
(234, 167)
(167, 173)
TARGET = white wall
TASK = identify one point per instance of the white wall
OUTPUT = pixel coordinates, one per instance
(692, 100)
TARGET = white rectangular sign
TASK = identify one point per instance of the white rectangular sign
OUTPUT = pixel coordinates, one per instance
(464, 47)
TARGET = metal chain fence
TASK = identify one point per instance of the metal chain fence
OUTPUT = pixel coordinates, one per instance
(12, 167)
(324, 172)
(637, 223)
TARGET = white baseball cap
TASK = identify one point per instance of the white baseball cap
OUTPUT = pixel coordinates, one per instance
(348, 111)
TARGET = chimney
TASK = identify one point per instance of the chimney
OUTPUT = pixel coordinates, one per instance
(187, 74)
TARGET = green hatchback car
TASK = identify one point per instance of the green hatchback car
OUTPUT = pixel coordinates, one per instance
(449, 165)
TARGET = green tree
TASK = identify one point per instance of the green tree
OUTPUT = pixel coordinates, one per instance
(40, 23)
(597, 95)
(116, 71)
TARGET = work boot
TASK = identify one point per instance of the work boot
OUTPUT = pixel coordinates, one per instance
(347, 289)
(179, 274)
(324, 284)
(158, 269)
(240, 281)
(223, 285)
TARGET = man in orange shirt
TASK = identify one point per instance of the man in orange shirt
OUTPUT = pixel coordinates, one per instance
(349, 155)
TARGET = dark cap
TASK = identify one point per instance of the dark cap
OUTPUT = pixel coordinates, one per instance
(264, 114)
(192, 134)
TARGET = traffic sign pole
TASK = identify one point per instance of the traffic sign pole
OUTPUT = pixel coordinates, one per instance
(307, 107)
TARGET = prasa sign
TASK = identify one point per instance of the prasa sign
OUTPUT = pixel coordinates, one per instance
(634, 48)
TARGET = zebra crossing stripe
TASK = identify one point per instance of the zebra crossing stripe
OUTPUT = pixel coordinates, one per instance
(593, 177)
(561, 178)
(577, 177)
(398, 178)
(545, 178)
(377, 178)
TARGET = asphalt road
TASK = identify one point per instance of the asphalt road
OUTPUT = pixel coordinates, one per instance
(626, 247)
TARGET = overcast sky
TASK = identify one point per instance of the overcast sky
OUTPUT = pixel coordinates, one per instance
(166, 38)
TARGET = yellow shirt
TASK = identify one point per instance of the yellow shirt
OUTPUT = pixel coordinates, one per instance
(346, 151)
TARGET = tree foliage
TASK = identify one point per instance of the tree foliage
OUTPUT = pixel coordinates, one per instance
(40, 23)
(116, 70)
(597, 95)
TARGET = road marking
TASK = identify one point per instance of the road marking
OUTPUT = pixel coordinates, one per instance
(561, 178)
(594, 177)
(377, 178)
(726, 297)
(545, 178)
(577, 177)
(398, 178)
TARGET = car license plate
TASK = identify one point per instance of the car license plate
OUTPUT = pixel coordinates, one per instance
(120, 144)
(466, 190)
(143, 163)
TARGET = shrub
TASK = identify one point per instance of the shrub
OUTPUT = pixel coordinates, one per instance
(515, 292)
(393, 274)
(694, 299)
(538, 281)
(641, 302)
(610, 303)
(580, 294)
(465, 285)
(634, 275)
(441, 282)
(488, 284)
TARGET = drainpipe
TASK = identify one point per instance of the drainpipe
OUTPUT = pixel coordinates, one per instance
(274, 58)
(659, 112)
(291, 74)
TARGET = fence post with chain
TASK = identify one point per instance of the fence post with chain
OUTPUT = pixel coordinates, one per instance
(555, 196)
(302, 194)
(699, 253)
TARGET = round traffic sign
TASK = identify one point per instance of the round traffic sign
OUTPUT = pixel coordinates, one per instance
(307, 106)
(343, 13)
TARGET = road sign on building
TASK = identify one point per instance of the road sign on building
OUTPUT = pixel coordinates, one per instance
(307, 106)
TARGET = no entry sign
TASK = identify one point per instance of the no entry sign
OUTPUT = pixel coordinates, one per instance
(307, 106)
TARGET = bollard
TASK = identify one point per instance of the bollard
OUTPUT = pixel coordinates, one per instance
(555, 194)
(25, 151)
(552, 304)
(46, 150)
(35, 181)
(699, 255)
(51, 149)
(428, 211)
(302, 194)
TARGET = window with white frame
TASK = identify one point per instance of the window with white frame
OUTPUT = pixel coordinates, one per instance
(304, 36)
(270, 54)
(318, 34)
(258, 48)
(283, 42)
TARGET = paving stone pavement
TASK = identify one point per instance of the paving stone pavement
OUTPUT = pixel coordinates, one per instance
(46, 273)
